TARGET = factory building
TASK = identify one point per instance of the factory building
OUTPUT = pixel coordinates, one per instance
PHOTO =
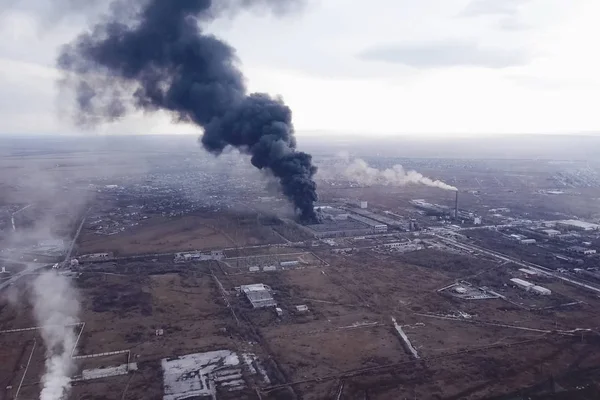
(522, 284)
(528, 272)
(541, 291)
(433, 209)
(576, 225)
(331, 229)
(376, 217)
(340, 223)
(376, 226)
(530, 287)
(259, 295)
(333, 213)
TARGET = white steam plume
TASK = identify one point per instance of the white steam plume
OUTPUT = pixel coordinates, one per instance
(359, 171)
(56, 309)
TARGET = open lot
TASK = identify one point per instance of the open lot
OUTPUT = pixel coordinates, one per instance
(192, 232)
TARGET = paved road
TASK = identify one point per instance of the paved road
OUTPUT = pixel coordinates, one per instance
(31, 268)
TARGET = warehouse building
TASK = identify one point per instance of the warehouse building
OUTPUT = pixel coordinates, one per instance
(574, 224)
(541, 290)
(330, 229)
(520, 283)
(528, 271)
(377, 227)
(530, 287)
(376, 217)
(354, 225)
(259, 295)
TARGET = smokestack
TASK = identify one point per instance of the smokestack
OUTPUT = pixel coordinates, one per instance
(157, 56)
(456, 206)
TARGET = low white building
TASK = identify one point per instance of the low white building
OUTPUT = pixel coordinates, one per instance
(259, 295)
(528, 241)
(528, 271)
(541, 290)
(530, 287)
(551, 232)
(523, 284)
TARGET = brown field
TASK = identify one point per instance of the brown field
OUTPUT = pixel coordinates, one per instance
(161, 235)
(345, 343)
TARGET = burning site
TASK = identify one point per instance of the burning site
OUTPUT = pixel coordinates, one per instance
(161, 59)
(141, 261)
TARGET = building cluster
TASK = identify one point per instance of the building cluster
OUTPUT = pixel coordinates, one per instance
(577, 225)
(522, 239)
(445, 212)
(582, 251)
(261, 296)
(338, 222)
(199, 256)
(530, 287)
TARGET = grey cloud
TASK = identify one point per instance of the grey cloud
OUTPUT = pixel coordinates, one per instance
(446, 54)
(493, 7)
(506, 10)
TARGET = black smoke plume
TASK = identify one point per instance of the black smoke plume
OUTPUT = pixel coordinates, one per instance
(154, 55)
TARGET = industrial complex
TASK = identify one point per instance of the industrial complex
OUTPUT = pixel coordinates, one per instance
(183, 288)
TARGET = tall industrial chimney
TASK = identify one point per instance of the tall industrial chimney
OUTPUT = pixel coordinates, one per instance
(456, 206)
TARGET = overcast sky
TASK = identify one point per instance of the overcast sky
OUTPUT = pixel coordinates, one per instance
(382, 66)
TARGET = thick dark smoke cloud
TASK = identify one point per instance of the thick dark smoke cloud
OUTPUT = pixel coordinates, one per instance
(154, 55)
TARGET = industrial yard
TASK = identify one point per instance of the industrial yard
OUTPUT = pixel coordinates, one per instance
(401, 292)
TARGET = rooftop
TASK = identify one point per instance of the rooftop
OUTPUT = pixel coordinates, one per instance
(259, 295)
(255, 287)
(331, 226)
(579, 224)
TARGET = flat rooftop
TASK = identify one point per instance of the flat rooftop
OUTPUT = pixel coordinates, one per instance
(579, 224)
(332, 226)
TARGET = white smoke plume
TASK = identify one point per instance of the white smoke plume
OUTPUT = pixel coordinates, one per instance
(56, 309)
(359, 171)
